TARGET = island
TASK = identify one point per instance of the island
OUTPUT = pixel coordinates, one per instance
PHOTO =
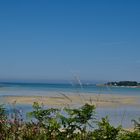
(123, 84)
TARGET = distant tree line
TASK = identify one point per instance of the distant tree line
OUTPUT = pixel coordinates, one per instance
(123, 83)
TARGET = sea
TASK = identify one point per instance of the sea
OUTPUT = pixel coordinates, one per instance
(117, 116)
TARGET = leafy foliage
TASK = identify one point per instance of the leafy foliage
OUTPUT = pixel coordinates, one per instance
(65, 124)
(106, 131)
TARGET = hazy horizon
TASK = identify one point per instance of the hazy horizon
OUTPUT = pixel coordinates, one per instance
(59, 81)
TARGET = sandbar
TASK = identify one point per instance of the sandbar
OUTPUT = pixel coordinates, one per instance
(63, 99)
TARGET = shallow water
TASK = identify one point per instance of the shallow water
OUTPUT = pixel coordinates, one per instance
(117, 116)
(120, 116)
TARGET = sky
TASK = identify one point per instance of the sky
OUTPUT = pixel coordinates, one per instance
(57, 39)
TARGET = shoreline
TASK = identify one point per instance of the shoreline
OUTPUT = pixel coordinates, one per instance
(118, 86)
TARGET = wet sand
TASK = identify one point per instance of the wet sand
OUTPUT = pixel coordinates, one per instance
(63, 99)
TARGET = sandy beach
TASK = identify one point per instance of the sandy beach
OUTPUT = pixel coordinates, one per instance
(63, 99)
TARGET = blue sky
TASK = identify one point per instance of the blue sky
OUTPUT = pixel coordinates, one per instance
(56, 39)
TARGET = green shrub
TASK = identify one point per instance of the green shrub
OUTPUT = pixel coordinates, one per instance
(56, 124)
(106, 131)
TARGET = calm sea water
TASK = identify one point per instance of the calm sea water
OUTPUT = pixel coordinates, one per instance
(44, 89)
(122, 115)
